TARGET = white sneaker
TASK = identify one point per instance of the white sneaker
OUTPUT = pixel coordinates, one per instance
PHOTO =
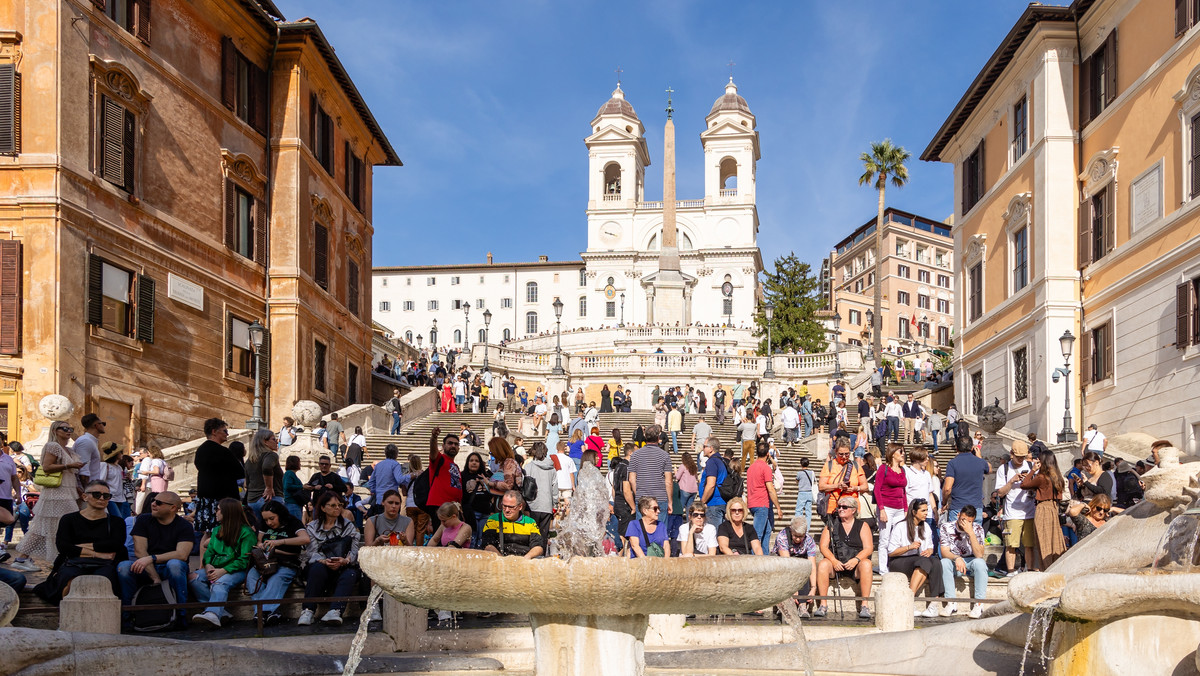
(306, 618)
(949, 609)
(26, 566)
(376, 616)
(976, 611)
(931, 609)
(1013, 573)
(210, 618)
(333, 617)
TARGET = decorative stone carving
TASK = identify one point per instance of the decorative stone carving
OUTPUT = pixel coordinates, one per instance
(10, 44)
(992, 418)
(1019, 210)
(241, 167)
(119, 82)
(322, 209)
(1101, 168)
(56, 407)
(354, 245)
(1191, 88)
(976, 248)
(307, 413)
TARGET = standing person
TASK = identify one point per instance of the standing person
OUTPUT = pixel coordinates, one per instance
(387, 476)
(700, 431)
(806, 484)
(295, 496)
(287, 432)
(719, 404)
(748, 435)
(500, 427)
(624, 504)
(445, 481)
(674, 427)
(715, 472)
(761, 498)
(893, 411)
(1037, 447)
(1047, 484)
(688, 477)
(962, 555)
(952, 422)
(1018, 508)
(876, 382)
(541, 467)
(510, 394)
(846, 547)
(264, 474)
(606, 399)
(55, 502)
(566, 469)
(739, 393)
(10, 494)
(335, 436)
(650, 473)
(841, 477)
(963, 484)
(87, 449)
(226, 559)
(936, 424)
(114, 478)
(891, 499)
(864, 410)
(393, 407)
(162, 544)
(789, 417)
(1093, 440)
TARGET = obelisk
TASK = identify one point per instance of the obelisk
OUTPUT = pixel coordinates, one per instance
(667, 291)
(668, 258)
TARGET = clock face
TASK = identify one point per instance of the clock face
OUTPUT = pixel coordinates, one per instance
(610, 232)
(610, 292)
(727, 288)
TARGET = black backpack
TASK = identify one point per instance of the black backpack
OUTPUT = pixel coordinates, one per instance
(153, 595)
(732, 486)
(420, 488)
(529, 489)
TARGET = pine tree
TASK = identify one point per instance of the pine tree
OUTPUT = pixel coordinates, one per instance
(796, 294)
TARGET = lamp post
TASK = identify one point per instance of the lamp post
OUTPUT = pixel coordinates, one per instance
(418, 342)
(769, 311)
(257, 335)
(837, 353)
(487, 323)
(870, 334)
(433, 336)
(558, 367)
(622, 309)
(1066, 342)
(467, 330)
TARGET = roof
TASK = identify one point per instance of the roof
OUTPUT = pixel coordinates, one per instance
(309, 28)
(617, 105)
(479, 267)
(730, 100)
(895, 217)
(995, 66)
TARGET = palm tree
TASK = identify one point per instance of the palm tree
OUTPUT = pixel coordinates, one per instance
(883, 161)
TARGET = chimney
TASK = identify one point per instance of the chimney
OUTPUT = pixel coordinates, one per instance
(489, 258)
(543, 259)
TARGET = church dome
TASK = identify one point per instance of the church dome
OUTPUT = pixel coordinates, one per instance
(617, 105)
(730, 100)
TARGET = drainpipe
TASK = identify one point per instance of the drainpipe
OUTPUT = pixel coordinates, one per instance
(1079, 187)
(270, 203)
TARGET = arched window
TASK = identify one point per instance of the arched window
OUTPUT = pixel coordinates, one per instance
(482, 338)
(612, 179)
(582, 306)
(682, 241)
(729, 174)
(507, 334)
(583, 277)
(531, 292)
(408, 336)
(530, 322)
(433, 336)
(457, 335)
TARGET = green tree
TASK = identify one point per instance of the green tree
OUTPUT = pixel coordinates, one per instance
(885, 160)
(795, 292)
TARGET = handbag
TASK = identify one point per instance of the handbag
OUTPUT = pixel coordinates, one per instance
(265, 561)
(48, 479)
(335, 548)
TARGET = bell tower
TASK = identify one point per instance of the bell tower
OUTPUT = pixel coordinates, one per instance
(730, 149)
(617, 156)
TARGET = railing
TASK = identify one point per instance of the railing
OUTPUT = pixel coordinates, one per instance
(728, 192)
(679, 204)
(730, 365)
(613, 197)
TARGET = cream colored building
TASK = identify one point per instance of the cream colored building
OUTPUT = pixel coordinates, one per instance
(1076, 180)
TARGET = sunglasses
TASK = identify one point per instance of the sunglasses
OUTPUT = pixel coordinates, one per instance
(737, 511)
(100, 496)
(846, 507)
(160, 503)
(653, 509)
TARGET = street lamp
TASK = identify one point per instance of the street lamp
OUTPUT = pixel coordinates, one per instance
(418, 341)
(558, 367)
(467, 331)
(837, 354)
(870, 334)
(433, 336)
(487, 322)
(257, 335)
(1066, 342)
(622, 309)
(769, 311)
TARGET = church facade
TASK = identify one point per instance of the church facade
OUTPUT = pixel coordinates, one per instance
(612, 282)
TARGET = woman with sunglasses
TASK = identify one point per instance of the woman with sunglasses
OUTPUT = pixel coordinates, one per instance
(648, 537)
(1088, 516)
(910, 551)
(697, 537)
(90, 541)
(846, 549)
(736, 537)
(55, 502)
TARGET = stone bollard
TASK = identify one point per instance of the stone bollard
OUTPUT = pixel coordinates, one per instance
(894, 603)
(90, 607)
(405, 624)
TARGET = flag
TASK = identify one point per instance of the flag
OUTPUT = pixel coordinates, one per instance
(913, 321)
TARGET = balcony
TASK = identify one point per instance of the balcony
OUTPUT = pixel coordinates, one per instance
(679, 204)
(613, 197)
(728, 192)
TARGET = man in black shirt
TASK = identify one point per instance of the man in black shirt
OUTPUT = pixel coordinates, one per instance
(325, 479)
(162, 543)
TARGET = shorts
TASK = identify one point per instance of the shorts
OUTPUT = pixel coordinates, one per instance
(1019, 533)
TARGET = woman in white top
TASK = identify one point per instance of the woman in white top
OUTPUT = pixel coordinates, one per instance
(697, 537)
(923, 484)
(911, 551)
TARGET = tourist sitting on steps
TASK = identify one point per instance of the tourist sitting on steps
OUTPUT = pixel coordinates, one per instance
(511, 533)
(90, 542)
(648, 537)
(226, 560)
(794, 541)
(962, 555)
(736, 537)
(910, 551)
(283, 536)
(332, 555)
(846, 548)
(162, 544)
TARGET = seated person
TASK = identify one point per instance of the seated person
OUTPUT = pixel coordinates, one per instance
(10, 577)
(846, 547)
(454, 532)
(390, 526)
(648, 537)
(794, 541)
(90, 542)
(963, 554)
(511, 533)
(697, 537)
(282, 535)
(226, 560)
(332, 556)
(910, 551)
(735, 536)
(162, 544)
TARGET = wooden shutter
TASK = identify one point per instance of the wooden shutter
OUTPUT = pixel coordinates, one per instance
(980, 185)
(99, 4)
(360, 168)
(264, 357)
(10, 109)
(112, 141)
(1085, 91)
(141, 20)
(10, 297)
(95, 301)
(1184, 302)
(1110, 338)
(327, 151)
(1195, 156)
(260, 232)
(1110, 67)
(352, 286)
(1181, 16)
(145, 309)
(228, 342)
(230, 215)
(966, 185)
(258, 99)
(1085, 232)
(1085, 359)
(321, 256)
(127, 150)
(228, 73)
(1110, 217)
(312, 122)
(348, 179)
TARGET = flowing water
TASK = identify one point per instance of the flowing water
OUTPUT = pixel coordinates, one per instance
(1040, 625)
(1179, 544)
(583, 532)
(360, 636)
(788, 609)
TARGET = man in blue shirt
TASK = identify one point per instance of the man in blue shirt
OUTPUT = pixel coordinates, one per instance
(964, 481)
(386, 476)
(715, 471)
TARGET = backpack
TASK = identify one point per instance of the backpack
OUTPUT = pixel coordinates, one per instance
(819, 412)
(732, 486)
(529, 489)
(420, 488)
(153, 595)
(169, 473)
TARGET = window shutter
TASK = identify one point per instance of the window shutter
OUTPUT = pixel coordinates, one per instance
(1085, 233)
(1110, 217)
(1085, 91)
(112, 141)
(10, 297)
(230, 215)
(966, 184)
(145, 309)
(141, 20)
(1110, 67)
(127, 150)
(321, 256)
(328, 142)
(347, 181)
(1181, 16)
(10, 109)
(360, 169)
(352, 287)
(1195, 156)
(95, 306)
(228, 73)
(228, 342)
(260, 232)
(1183, 314)
(1110, 337)
(98, 3)
(1085, 360)
(980, 185)
(264, 358)
(258, 98)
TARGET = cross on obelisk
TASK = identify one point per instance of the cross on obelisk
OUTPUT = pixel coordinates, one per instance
(669, 108)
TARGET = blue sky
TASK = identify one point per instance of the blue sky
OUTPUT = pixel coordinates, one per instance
(488, 103)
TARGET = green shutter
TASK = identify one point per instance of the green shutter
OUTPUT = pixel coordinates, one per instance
(95, 299)
(145, 309)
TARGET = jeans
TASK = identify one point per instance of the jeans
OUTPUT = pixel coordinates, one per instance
(976, 568)
(458, 401)
(295, 510)
(120, 509)
(257, 506)
(715, 514)
(395, 423)
(275, 586)
(174, 571)
(893, 428)
(934, 434)
(320, 578)
(23, 516)
(952, 428)
(686, 499)
(13, 579)
(674, 441)
(804, 503)
(216, 592)
(762, 526)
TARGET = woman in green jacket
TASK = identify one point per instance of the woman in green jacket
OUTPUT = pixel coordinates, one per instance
(226, 560)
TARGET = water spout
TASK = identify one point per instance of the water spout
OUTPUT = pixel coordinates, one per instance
(1040, 625)
(583, 532)
(788, 609)
(360, 636)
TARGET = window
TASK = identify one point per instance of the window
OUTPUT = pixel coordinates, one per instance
(507, 334)
(923, 255)
(482, 335)
(319, 351)
(1187, 14)
(1020, 368)
(903, 271)
(902, 249)
(975, 292)
(432, 305)
(352, 286)
(943, 306)
(1020, 121)
(455, 281)
(1187, 313)
(505, 302)
(408, 281)
(1097, 226)
(457, 336)
(433, 335)
(870, 278)
(610, 281)
(941, 260)
(239, 221)
(1097, 357)
(1098, 79)
(530, 322)
(243, 86)
(456, 304)
(356, 178)
(944, 281)
(10, 109)
(943, 335)
(858, 286)
(531, 293)
(728, 307)
(481, 279)
(352, 383)
(131, 15)
(431, 281)
(923, 329)
(582, 306)
(385, 306)
(903, 298)
(321, 255)
(583, 277)
(922, 301)
(976, 392)
(923, 276)
(478, 303)
(855, 317)
(972, 178)
(409, 306)
(321, 134)
(117, 144)
(904, 329)
(1020, 242)
(119, 300)
(241, 357)
(383, 282)
(610, 309)
(10, 297)
(408, 336)
(506, 279)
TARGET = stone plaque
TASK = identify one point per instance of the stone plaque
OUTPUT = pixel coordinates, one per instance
(188, 293)
(1146, 198)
